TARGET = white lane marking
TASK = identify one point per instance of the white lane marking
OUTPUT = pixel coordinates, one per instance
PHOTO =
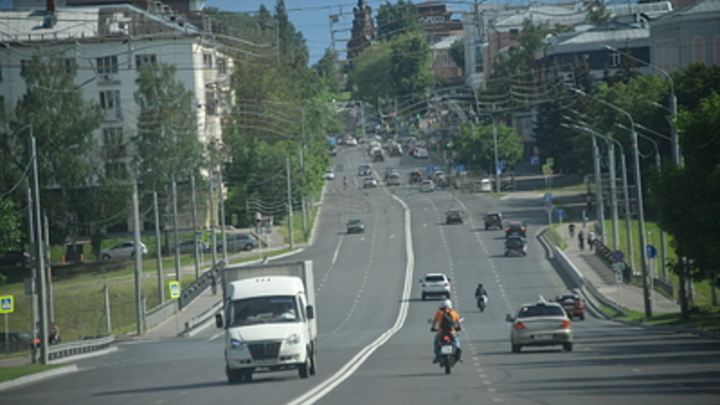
(350, 367)
(337, 250)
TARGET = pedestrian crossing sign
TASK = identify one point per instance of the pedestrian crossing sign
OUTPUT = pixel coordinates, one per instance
(174, 289)
(7, 304)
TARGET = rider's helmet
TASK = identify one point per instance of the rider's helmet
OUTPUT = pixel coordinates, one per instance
(446, 304)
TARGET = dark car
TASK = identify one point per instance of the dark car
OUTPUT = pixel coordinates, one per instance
(454, 216)
(515, 228)
(18, 341)
(493, 219)
(14, 258)
(515, 246)
(355, 226)
(378, 156)
(415, 177)
(573, 305)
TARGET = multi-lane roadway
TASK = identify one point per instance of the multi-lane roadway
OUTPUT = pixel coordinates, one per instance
(375, 344)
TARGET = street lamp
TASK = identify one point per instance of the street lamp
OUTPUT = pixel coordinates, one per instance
(677, 156)
(639, 196)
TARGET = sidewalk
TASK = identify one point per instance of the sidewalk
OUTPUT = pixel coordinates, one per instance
(602, 278)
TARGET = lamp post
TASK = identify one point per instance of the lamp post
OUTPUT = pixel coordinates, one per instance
(677, 155)
(639, 197)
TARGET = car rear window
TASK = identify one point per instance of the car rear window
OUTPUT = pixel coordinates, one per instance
(434, 278)
(541, 310)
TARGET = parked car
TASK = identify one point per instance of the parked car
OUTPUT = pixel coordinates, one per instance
(515, 228)
(370, 182)
(17, 342)
(14, 259)
(540, 324)
(122, 249)
(573, 304)
(435, 284)
(188, 246)
(329, 175)
(515, 246)
(454, 216)
(355, 226)
(239, 241)
(493, 219)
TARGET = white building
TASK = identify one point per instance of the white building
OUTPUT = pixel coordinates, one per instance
(109, 44)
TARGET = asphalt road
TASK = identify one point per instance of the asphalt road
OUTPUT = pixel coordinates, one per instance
(375, 346)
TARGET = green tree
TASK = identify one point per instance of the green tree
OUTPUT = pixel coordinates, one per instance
(396, 19)
(410, 65)
(62, 122)
(11, 236)
(478, 149)
(457, 53)
(371, 75)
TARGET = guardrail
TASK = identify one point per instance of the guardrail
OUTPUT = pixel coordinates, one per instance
(202, 318)
(199, 285)
(80, 347)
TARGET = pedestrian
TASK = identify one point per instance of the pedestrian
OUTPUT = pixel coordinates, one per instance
(591, 239)
(213, 281)
(54, 337)
(581, 240)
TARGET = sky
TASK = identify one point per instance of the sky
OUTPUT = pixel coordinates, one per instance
(312, 18)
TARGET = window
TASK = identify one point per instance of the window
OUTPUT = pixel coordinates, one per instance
(211, 102)
(143, 60)
(107, 65)
(699, 49)
(207, 60)
(69, 65)
(222, 65)
(615, 59)
(110, 100)
(2, 108)
(24, 66)
(114, 143)
(116, 170)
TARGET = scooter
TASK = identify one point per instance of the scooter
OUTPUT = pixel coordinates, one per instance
(482, 302)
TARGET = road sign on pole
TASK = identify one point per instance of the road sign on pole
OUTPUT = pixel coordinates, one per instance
(174, 289)
(650, 251)
(617, 256)
(7, 304)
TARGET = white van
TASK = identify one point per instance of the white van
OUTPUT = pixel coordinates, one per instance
(485, 185)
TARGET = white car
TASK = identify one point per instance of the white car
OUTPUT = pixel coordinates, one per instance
(351, 142)
(122, 249)
(427, 186)
(329, 175)
(370, 182)
(435, 284)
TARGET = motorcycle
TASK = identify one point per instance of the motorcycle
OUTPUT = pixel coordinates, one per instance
(481, 302)
(448, 355)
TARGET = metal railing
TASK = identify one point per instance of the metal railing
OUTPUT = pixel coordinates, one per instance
(80, 347)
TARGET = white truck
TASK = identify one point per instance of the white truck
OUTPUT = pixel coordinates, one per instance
(269, 319)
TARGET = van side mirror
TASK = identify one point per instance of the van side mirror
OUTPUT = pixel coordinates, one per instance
(219, 321)
(509, 318)
(310, 311)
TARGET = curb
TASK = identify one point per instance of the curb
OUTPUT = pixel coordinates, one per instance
(37, 377)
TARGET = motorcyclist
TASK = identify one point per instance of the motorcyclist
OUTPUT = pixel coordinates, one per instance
(446, 306)
(480, 291)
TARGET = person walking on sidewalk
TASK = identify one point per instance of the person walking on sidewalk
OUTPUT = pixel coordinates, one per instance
(591, 239)
(581, 240)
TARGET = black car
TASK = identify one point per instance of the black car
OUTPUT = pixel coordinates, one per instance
(515, 228)
(18, 341)
(355, 226)
(493, 219)
(454, 216)
(515, 245)
(14, 259)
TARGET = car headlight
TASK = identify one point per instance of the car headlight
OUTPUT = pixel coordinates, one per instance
(236, 344)
(293, 339)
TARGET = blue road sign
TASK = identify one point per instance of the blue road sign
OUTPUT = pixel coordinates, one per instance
(559, 213)
(460, 168)
(547, 197)
(650, 251)
(548, 205)
(7, 304)
(617, 256)
(534, 160)
(430, 169)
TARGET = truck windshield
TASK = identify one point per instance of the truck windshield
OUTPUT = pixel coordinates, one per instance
(273, 309)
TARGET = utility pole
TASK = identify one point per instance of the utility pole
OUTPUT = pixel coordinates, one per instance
(158, 245)
(175, 229)
(194, 225)
(289, 201)
(138, 258)
(222, 214)
(39, 256)
(599, 189)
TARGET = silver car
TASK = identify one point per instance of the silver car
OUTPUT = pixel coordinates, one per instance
(540, 324)
(122, 249)
(238, 241)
